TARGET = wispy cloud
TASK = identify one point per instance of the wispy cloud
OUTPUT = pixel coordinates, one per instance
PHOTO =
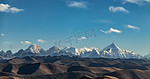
(138, 2)
(147, 0)
(118, 9)
(133, 1)
(25, 42)
(76, 4)
(132, 27)
(82, 38)
(111, 30)
(8, 8)
(2, 34)
(41, 40)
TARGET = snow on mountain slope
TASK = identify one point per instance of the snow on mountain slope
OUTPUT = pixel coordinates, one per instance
(79, 52)
(113, 51)
(89, 52)
(72, 50)
(94, 54)
(147, 56)
(53, 50)
(35, 49)
(85, 49)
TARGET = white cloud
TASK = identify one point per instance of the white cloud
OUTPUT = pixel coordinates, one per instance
(133, 27)
(4, 7)
(41, 41)
(82, 38)
(14, 10)
(133, 1)
(2, 34)
(8, 8)
(118, 9)
(112, 30)
(138, 2)
(76, 4)
(25, 42)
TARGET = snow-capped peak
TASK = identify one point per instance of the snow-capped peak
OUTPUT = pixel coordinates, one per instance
(73, 50)
(77, 51)
(112, 46)
(34, 49)
(1, 51)
(85, 49)
(54, 47)
(95, 50)
(94, 54)
(53, 50)
(113, 51)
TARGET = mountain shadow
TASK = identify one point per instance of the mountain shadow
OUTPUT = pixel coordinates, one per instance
(8, 68)
(28, 68)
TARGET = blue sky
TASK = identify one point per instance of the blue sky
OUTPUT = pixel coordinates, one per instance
(125, 22)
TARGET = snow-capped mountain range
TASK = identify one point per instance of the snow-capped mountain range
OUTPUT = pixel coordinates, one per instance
(111, 51)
